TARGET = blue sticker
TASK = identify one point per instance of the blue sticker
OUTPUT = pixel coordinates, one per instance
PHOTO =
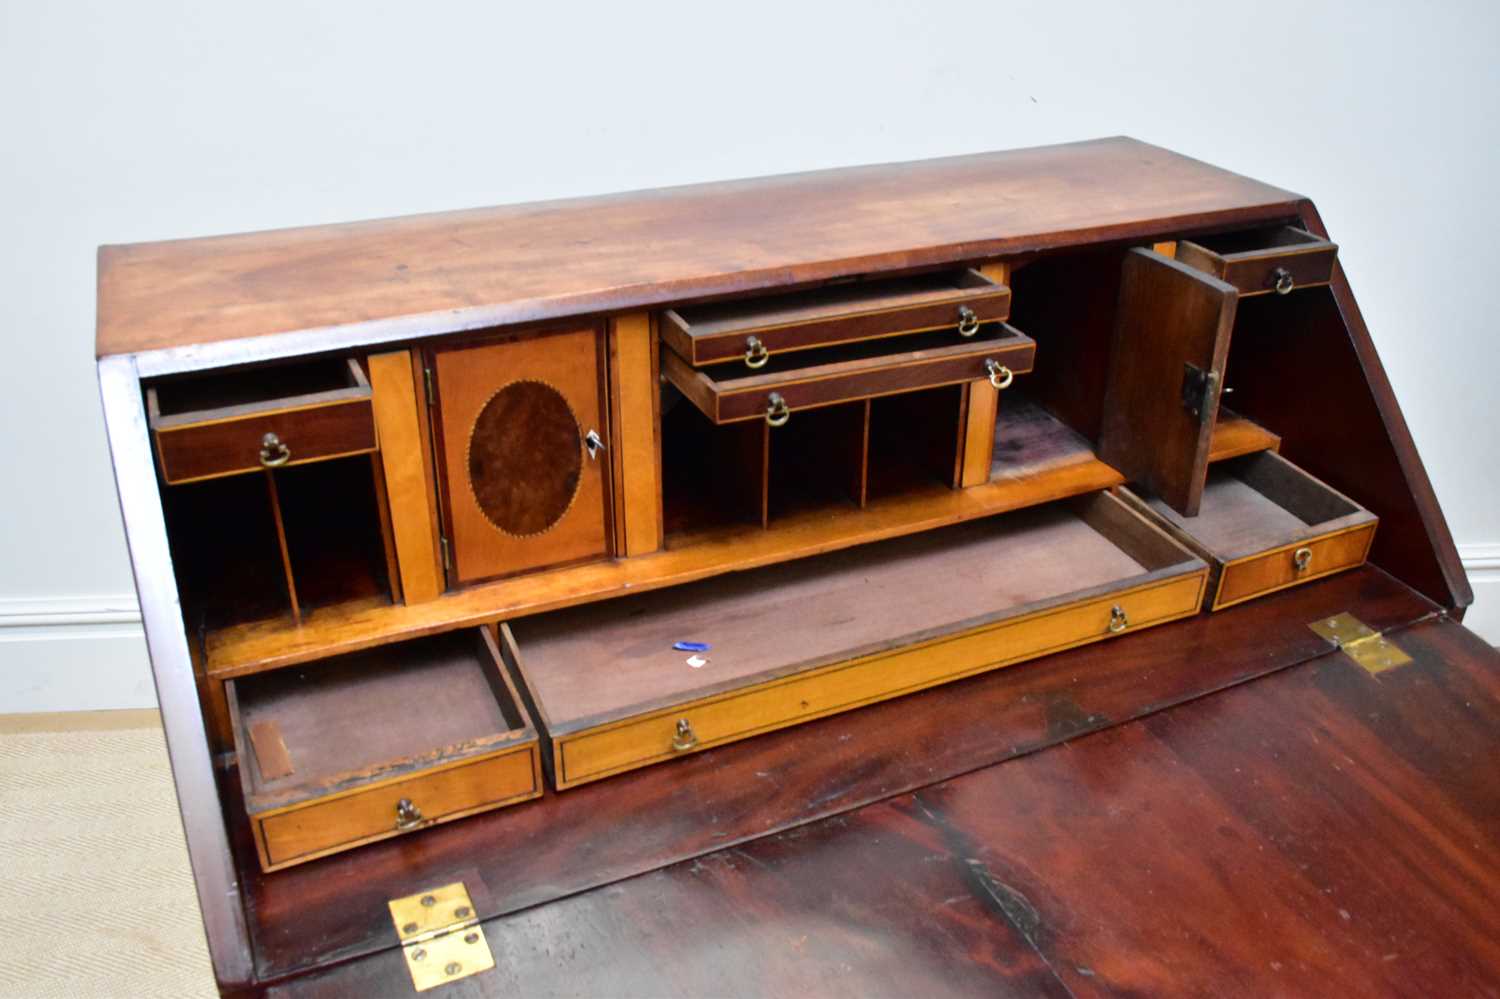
(691, 646)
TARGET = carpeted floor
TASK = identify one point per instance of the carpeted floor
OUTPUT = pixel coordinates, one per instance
(95, 892)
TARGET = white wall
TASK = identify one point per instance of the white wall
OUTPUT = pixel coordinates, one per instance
(125, 122)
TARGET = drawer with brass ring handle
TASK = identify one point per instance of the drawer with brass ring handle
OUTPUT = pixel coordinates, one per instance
(1283, 281)
(756, 354)
(684, 737)
(1000, 375)
(968, 321)
(1118, 620)
(777, 411)
(408, 815)
(274, 453)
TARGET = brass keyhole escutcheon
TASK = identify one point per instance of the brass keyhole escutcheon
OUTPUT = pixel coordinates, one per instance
(1118, 621)
(968, 321)
(408, 816)
(756, 354)
(1302, 559)
(273, 453)
(777, 411)
(1000, 375)
(1283, 282)
(685, 738)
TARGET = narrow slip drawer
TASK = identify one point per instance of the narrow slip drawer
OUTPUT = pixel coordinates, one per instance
(1264, 525)
(794, 642)
(1259, 262)
(230, 422)
(373, 744)
(750, 331)
(813, 378)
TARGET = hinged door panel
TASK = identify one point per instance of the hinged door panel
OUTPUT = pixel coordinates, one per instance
(1166, 372)
(522, 448)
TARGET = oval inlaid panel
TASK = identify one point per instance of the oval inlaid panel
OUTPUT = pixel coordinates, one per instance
(525, 458)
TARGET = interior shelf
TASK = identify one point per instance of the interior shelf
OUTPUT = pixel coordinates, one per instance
(1234, 435)
(1037, 459)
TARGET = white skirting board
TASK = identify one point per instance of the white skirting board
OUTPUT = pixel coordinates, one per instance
(89, 654)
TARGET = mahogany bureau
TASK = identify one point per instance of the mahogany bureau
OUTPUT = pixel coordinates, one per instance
(493, 556)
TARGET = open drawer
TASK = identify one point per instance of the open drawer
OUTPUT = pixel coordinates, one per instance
(752, 330)
(808, 379)
(373, 744)
(1264, 525)
(797, 641)
(1263, 260)
(240, 421)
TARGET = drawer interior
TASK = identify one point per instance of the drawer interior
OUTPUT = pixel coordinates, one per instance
(189, 399)
(588, 665)
(1229, 244)
(307, 732)
(1258, 502)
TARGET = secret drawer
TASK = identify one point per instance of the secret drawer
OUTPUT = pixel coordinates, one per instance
(814, 378)
(240, 421)
(794, 642)
(1264, 525)
(751, 331)
(378, 743)
(1264, 260)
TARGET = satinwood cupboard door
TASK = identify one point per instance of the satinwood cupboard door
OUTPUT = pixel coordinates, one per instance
(521, 434)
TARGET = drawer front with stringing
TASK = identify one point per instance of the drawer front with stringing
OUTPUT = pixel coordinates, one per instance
(598, 753)
(1291, 564)
(375, 813)
(851, 373)
(1288, 258)
(293, 430)
(751, 331)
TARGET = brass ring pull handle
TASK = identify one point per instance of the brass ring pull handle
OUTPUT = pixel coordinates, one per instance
(1283, 279)
(968, 321)
(685, 738)
(1118, 622)
(1302, 559)
(408, 816)
(756, 354)
(272, 452)
(1000, 375)
(777, 411)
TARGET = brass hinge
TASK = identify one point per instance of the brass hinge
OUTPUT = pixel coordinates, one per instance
(1200, 392)
(427, 378)
(447, 558)
(440, 936)
(1369, 648)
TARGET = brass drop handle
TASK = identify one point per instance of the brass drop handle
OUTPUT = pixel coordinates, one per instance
(594, 443)
(408, 815)
(1000, 375)
(273, 452)
(756, 354)
(1118, 622)
(777, 411)
(1283, 279)
(1302, 559)
(968, 321)
(685, 738)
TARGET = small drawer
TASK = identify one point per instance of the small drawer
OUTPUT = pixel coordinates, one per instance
(1264, 525)
(750, 331)
(241, 421)
(795, 642)
(808, 379)
(1264, 260)
(373, 744)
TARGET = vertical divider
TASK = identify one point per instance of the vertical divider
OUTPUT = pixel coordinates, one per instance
(286, 555)
(635, 408)
(400, 407)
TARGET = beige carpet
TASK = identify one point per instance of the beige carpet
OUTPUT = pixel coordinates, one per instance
(95, 892)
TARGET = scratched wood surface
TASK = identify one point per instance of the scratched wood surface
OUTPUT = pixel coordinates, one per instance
(334, 909)
(1317, 831)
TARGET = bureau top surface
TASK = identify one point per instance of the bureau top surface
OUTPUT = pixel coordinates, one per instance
(402, 278)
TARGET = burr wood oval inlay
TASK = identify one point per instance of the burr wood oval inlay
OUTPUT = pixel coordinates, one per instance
(525, 458)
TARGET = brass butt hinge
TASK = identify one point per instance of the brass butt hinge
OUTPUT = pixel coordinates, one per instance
(1369, 648)
(447, 558)
(440, 935)
(427, 380)
(1200, 392)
